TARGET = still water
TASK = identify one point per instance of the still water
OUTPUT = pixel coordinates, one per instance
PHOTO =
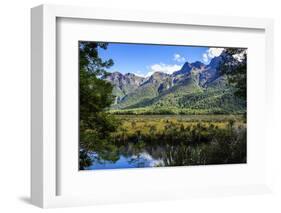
(141, 160)
(132, 156)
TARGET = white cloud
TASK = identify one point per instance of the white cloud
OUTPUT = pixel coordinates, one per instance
(205, 57)
(240, 56)
(211, 53)
(179, 58)
(165, 68)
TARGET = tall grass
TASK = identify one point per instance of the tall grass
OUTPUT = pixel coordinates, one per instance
(185, 141)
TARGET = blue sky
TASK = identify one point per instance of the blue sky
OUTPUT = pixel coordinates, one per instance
(144, 59)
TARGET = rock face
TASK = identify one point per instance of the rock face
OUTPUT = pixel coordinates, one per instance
(125, 83)
(162, 89)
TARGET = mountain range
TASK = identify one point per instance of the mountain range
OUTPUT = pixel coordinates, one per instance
(196, 88)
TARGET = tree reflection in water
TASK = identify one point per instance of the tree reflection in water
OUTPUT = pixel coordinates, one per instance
(198, 147)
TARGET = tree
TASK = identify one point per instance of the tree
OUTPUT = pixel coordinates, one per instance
(95, 97)
(234, 66)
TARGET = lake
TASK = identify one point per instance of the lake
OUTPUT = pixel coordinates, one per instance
(141, 160)
(172, 140)
(146, 155)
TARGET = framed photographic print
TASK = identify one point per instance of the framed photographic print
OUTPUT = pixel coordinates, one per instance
(149, 106)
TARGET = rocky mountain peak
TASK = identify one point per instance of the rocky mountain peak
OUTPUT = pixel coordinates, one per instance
(197, 64)
(200, 73)
(215, 62)
(186, 68)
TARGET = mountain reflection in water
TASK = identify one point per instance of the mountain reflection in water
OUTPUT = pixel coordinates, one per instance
(132, 156)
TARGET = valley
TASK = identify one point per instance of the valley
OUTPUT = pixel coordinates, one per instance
(194, 89)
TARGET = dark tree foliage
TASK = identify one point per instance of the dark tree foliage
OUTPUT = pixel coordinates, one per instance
(234, 65)
(95, 97)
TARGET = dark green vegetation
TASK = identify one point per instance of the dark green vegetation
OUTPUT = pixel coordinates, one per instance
(205, 101)
(95, 95)
(183, 140)
(192, 117)
(235, 70)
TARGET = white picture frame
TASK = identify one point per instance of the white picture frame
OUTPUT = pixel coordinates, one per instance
(44, 155)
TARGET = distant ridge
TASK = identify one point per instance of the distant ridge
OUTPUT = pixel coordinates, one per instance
(196, 87)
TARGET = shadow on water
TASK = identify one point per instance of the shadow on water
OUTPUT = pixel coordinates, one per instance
(176, 145)
(132, 156)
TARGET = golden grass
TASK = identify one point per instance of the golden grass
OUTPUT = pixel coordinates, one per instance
(144, 124)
